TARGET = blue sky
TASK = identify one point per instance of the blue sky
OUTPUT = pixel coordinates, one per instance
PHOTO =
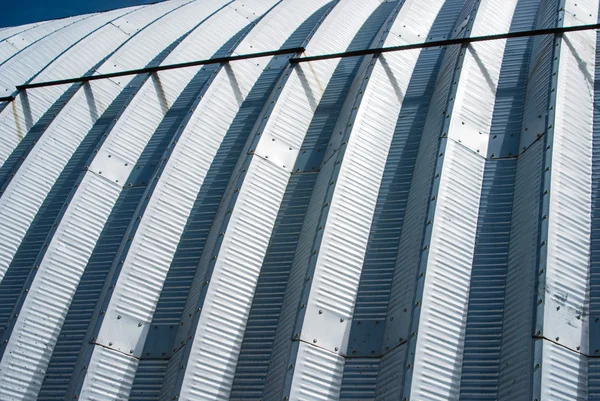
(19, 13)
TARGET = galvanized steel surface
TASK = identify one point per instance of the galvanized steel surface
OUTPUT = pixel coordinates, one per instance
(418, 225)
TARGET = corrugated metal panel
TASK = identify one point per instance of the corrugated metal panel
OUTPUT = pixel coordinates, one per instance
(32, 59)
(83, 58)
(18, 41)
(14, 30)
(594, 283)
(415, 225)
(18, 118)
(230, 86)
(138, 52)
(57, 278)
(26, 192)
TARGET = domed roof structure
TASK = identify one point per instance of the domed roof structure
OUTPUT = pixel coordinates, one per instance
(302, 200)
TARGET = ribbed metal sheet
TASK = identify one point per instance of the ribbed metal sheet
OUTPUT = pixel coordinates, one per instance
(418, 225)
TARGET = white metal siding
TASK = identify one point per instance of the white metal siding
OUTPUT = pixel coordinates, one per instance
(415, 225)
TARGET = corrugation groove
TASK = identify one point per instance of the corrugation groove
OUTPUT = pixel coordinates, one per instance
(173, 296)
(317, 374)
(17, 42)
(594, 280)
(357, 181)
(33, 36)
(170, 205)
(72, 335)
(360, 379)
(378, 268)
(32, 59)
(407, 261)
(593, 379)
(516, 351)
(267, 236)
(438, 355)
(279, 347)
(20, 153)
(232, 283)
(57, 278)
(564, 374)
(183, 267)
(155, 148)
(10, 31)
(93, 110)
(483, 332)
(566, 284)
(391, 373)
(259, 338)
(30, 105)
(447, 177)
(212, 248)
(128, 200)
(22, 263)
(253, 362)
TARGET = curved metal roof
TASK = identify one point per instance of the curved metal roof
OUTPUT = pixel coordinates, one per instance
(411, 225)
